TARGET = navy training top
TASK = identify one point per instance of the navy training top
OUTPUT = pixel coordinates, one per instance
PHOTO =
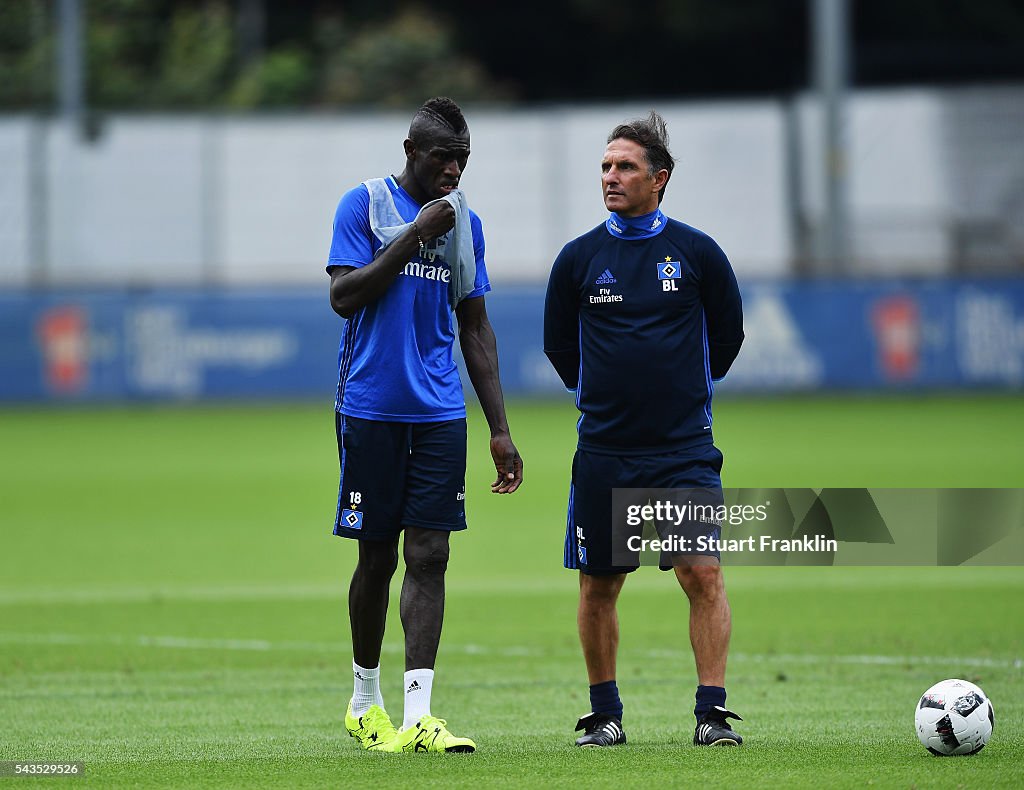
(641, 316)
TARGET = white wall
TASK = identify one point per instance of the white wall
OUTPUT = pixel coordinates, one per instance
(14, 204)
(251, 199)
(897, 176)
(129, 207)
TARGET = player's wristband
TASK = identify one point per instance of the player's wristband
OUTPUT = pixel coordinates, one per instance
(419, 239)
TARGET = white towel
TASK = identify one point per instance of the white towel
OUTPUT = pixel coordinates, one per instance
(454, 247)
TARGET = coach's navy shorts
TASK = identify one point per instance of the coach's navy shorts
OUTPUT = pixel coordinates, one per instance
(399, 474)
(588, 532)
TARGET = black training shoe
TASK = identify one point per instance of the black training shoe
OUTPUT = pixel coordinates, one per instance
(713, 729)
(601, 730)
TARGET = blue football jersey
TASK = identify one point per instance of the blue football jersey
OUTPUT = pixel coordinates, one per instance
(640, 328)
(395, 359)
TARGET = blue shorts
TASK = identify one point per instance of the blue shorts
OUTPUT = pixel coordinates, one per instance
(588, 530)
(399, 474)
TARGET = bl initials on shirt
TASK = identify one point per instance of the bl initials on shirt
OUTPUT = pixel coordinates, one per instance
(636, 327)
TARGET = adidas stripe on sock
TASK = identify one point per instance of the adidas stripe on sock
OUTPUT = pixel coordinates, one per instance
(418, 685)
(366, 691)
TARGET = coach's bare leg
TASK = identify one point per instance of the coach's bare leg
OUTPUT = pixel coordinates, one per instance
(422, 606)
(710, 617)
(368, 598)
(598, 622)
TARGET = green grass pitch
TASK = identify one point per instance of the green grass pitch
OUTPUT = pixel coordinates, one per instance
(172, 608)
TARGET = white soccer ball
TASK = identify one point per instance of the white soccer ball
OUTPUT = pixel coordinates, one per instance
(954, 717)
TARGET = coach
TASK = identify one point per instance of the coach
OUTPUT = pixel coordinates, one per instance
(642, 315)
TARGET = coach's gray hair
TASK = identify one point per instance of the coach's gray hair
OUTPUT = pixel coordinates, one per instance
(651, 134)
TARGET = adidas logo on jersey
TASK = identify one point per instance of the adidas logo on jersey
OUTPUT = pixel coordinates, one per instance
(605, 279)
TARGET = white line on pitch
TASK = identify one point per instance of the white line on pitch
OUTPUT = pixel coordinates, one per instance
(243, 592)
(147, 594)
(514, 651)
(836, 579)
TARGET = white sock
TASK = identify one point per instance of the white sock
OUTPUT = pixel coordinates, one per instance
(366, 691)
(418, 683)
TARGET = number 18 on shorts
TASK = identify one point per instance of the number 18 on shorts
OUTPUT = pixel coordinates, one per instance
(399, 474)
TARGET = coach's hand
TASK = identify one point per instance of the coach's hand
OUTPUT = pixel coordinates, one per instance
(508, 463)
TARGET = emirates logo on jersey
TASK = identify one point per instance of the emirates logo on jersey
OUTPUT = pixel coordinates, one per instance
(428, 271)
(605, 295)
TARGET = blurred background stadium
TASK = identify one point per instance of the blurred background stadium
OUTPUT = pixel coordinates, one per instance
(169, 171)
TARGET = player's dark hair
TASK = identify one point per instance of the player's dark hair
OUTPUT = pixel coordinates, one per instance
(651, 134)
(439, 111)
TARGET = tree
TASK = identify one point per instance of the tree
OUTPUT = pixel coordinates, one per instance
(398, 62)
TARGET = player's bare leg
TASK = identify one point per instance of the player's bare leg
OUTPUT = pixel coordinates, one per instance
(368, 598)
(710, 617)
(710, 629)
(426, 560)
(422, 606)
(598, 621)
(366, 719)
